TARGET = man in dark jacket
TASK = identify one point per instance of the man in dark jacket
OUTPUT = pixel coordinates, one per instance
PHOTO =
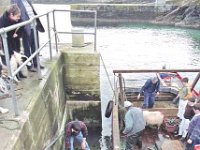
(151, 90)
(10, 17)
(76, 130)
(27, 12)
(189, 112)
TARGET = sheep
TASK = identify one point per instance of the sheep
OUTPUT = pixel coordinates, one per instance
(153, 118)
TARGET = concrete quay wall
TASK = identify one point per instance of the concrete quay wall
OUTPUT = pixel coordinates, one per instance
(44, 114)
(82, 83)
(76, 70)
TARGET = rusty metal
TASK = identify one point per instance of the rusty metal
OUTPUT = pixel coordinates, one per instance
(121, 93)
(195, 81)
(115, 129)
(155, 70)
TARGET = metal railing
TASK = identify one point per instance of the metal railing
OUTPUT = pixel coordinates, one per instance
(3, 33)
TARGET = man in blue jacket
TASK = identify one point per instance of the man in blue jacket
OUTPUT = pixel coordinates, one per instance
(151, 90)
(27, 12)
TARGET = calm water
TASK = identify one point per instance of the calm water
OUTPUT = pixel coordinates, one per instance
(137, 46)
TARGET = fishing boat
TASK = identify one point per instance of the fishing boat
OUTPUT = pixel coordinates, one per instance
(170, 85)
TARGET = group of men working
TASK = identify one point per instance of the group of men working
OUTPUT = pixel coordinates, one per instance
(133, 129)
(151, 88)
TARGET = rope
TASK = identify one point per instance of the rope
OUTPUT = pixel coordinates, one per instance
(114, 80)
(7, 126)
(107, 75)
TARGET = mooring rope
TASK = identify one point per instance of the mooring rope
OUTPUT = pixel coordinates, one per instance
(2, 124)
(107, 75)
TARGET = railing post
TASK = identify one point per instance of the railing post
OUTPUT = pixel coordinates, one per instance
(12, 88)
(55, 30)
(195, 81)
(121, 93)
(36, 47)
(49, 36)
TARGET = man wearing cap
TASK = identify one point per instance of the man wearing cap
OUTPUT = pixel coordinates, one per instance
(134, 125)
(76, 130)
(151, 90)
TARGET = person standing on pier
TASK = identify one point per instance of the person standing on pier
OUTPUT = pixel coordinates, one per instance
(134, 125)
(10, 17)
(151, 90)
(27, 12)
(76, 130)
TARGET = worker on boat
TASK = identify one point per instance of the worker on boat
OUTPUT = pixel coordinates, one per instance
(76, 130)
(193, 138)
(150, 90)
(134, 125)
(189, 112)
(184, 94)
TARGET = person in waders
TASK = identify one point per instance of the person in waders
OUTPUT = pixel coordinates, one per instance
(76, 131)
(134, 126)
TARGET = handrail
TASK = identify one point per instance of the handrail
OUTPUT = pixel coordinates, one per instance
(155, 70)
(163, 70)
(115, 128)
(3, 34)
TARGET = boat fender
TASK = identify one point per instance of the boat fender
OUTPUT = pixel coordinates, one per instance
(109, 109)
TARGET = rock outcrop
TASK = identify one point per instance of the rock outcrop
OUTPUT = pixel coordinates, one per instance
(185, 15)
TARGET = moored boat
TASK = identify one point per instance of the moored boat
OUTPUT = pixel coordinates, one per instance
(170, 85)
(128, 90)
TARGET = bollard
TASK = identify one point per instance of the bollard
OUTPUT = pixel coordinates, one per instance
(77, 39)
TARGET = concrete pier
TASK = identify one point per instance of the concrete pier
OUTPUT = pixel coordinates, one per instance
(41, 103)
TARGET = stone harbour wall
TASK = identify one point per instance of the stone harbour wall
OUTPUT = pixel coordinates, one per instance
(115, 14)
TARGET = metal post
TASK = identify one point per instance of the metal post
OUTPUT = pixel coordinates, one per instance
(36, 47)
(54, 28)
(195, 81)
(121, 93)
(49, 36)
(155, 70)
(12, 87)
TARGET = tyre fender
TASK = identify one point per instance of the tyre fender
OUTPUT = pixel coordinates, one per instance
(109, 109)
